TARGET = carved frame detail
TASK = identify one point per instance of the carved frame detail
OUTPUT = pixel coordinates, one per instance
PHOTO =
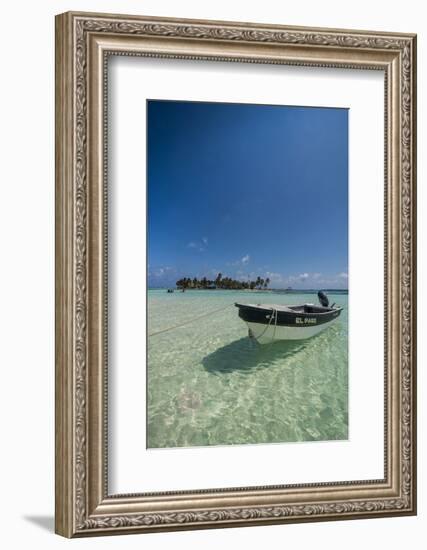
(83, 506)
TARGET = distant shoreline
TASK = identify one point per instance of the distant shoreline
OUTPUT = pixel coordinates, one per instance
(280, 290)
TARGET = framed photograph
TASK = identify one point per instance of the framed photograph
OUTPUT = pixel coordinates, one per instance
(235, 274)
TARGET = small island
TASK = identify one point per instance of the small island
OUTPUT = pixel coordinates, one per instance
(223, 283)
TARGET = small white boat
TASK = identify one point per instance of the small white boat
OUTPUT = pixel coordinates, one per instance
(270, 322)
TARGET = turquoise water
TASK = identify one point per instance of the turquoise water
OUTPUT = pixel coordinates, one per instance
(209, 384)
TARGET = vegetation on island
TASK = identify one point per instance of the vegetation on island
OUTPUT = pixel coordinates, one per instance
(220, 282)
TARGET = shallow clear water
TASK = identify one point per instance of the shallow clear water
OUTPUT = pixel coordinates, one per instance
(209, 384)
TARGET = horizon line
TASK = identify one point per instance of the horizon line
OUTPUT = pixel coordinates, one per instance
(255, 289)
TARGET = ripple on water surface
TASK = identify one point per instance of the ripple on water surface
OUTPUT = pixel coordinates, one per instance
(209, 384)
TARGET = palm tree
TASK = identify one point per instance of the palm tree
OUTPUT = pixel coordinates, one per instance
(183, 283)
(227, 283)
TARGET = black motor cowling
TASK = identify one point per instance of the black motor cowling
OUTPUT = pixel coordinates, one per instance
(323, 299)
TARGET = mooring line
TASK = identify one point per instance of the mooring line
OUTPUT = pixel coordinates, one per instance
(273, 315)
(189, 321)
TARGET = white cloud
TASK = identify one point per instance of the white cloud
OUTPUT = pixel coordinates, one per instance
(241, 262)
(343, 275)
(199, 245)
(274, 277)
(161, 271)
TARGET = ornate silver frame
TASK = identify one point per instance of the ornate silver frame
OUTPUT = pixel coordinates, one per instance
(83, 505)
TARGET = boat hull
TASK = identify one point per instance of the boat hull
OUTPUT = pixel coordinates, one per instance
(266, 334)
(268, 323)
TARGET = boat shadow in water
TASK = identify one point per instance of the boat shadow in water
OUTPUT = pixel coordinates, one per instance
(246, 355)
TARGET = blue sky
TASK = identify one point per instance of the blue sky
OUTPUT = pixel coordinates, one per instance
(247, 190)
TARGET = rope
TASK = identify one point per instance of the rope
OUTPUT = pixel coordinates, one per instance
(275, 325)
(189, 321)
(273, 315)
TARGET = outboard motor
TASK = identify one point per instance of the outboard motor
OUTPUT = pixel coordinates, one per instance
(323, 299)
